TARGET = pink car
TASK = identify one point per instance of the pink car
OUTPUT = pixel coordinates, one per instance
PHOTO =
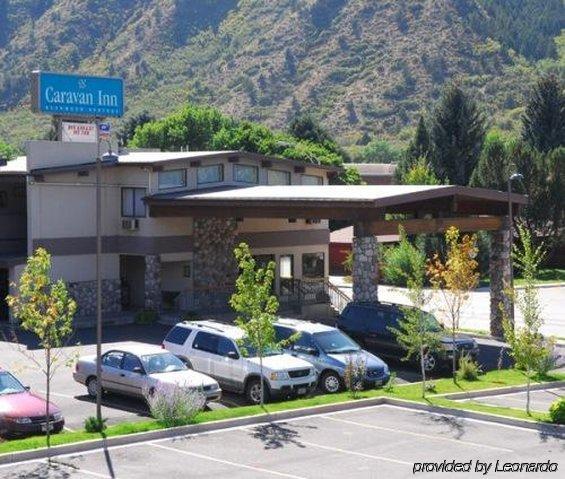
(22, 412)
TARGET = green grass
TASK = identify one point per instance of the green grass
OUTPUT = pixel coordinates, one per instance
(410, 392)
(545, 276)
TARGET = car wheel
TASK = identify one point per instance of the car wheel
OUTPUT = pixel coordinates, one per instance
(92, 387)
(430, 362)
(330, 382)
(253, 391)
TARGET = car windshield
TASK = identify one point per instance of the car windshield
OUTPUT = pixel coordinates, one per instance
(162, 363)
(335, 342)
(250, 351)
(9, 384)
(432, 323)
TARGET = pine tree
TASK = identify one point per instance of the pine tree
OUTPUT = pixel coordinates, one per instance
(420, 145)
(494, 164)
(456, 136)
(543, 123)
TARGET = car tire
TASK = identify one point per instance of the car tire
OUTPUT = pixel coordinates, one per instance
(57, 429)
(92, 386)
(330, 382)
(253, 391)
(431, 362)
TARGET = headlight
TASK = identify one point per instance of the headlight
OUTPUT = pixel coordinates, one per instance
(57, 416)
(22, 420)
(385, 369)
(279, 376)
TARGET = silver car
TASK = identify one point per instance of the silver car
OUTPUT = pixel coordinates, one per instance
(137, 369)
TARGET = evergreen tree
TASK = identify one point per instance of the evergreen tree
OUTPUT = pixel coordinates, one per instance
(494, 165)
(543, 123)
(456, 136)
(127, 131)
(420, 145)
(304, 126)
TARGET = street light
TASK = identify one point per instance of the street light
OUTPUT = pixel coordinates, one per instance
(513, 177)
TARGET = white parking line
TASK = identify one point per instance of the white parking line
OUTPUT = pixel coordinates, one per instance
(223, 461)
(418, 434)
(67, 396)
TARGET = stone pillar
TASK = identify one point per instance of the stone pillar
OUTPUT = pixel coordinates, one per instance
(499, 271)
(153, 295)
(215, 268)
(365, 266)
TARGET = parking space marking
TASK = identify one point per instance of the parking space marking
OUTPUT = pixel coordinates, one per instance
(223, 461)
(418, 434)
(67, 396)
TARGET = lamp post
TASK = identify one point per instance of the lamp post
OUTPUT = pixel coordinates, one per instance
(98, 276)
(514, 176)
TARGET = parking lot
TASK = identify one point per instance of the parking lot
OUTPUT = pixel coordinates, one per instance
(380, 441)
(76, 405)
(540, 399)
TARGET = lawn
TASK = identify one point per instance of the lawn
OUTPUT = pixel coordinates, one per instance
(545, 276)
(410, 392)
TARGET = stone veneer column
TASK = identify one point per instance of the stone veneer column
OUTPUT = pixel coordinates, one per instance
(499, 271)
(365, 267)
(152, 293)
(215, 268)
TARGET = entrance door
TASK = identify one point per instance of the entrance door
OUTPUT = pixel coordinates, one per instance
(4, 291)
(132, 275)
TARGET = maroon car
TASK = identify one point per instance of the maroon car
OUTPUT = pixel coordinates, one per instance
(22, 412)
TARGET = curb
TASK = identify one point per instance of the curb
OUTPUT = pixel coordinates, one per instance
(37, 454)
(501, 391)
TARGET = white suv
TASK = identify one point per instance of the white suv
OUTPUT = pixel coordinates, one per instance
(212, 348)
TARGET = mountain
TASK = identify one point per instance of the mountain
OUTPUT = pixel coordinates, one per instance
(364, 67)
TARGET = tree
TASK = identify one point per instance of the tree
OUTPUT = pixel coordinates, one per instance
(379, 151)
(543, 123)
(456, 133)
(495, 163)
(420, 174)
(255, 305)
(44, 308)
(420, 145)
(528, 347)
(7, 152)
(305, 127)
(454, 278)
(414, 333)
(127, 130)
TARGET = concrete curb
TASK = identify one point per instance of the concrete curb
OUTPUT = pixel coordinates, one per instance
(501, 391)
(37, 454)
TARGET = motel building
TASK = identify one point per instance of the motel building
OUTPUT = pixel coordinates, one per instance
(170, 222)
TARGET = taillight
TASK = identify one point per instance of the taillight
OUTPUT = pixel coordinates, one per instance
(162, 345)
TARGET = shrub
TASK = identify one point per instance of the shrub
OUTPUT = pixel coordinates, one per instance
(92, 424)
(173, 405)
(557, 411)
(468, 370)
(355, 371)
(548, 359)
(146, 317)
(389, 386)
(397, 263)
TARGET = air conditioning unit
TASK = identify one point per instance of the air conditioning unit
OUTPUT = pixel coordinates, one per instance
(130, 224)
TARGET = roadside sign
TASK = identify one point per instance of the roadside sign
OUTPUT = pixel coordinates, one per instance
(74, 132)
(77, 95)
(104, 131)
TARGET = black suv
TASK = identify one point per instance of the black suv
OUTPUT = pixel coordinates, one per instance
(369, 323)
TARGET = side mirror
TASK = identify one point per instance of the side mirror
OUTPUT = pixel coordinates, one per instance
(233, 355)
(137, 370)
(27, 388)
(312, 351)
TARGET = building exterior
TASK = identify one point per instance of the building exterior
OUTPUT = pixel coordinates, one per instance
(47, 199)
(376, 173)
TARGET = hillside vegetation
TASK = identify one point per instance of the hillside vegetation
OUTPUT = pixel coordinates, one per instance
(365, 68)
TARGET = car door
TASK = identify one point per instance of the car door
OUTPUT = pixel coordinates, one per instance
(205, 357)
(230, 368)
(132, 378)
(112, 370)
(379, 339)
(353, 322)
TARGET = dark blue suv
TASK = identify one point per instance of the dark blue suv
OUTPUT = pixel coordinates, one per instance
(369, 323)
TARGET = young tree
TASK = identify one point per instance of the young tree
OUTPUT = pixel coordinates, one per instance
(419, 173)
(457, 131)
(414, 333)
(529, 349)
(455, 278)
(44, 308)
(255, 305)
(543, 123)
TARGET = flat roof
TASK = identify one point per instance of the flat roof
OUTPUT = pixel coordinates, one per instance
(374, 169)
(17, 166)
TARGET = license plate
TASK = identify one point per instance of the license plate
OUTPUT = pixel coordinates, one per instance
(45, 427)
(301, 391)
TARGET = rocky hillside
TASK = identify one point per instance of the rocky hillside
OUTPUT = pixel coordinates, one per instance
(360, 65)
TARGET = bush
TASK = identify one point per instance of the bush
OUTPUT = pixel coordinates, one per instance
(468, 370)
(92, 424)
(146, 317)
(355, 371)
(397, 263)
(557, 411)
(548, 360)
(173, 405)
(389, 386)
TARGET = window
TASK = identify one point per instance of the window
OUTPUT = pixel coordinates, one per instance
(206, 342)
(131, 362)
(304, 343)
(210, 174)
(313, 265)
(187, 270)
(9, 384)
(278, 177)
(282, 333)
(226, 346)
(178, 335)
(132, 202)
(286, 274)
(172, 179)
(335, 342)
(3, 199)
(246, 174)
(312, 180)
(113, 359)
